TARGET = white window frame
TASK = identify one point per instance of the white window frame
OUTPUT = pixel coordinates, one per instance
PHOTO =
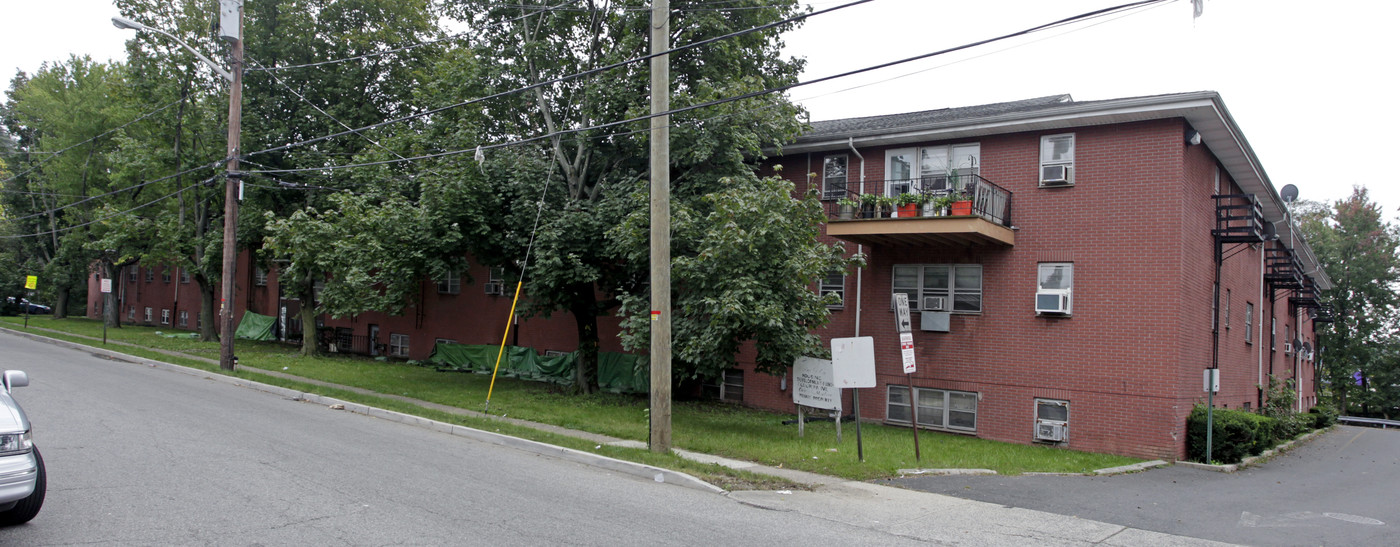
(729, 386)
(1040, 282)
(1248, 322)
(165, 275)
(944, 414)
(951, 292)
(131, 313)
(150, 275)
(451, 283)
(926, 169)
(1273, 333)
(1058, 403)
(184, 276)
(444, 341)
(148, 315)
(164, 316)
(1227, 309)
(1047, 158)
(825, 286)
(398, 345)
(183, 319)
(260, 277)
(497, 275)
(830, 176)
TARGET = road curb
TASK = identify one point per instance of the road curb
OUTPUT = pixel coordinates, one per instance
(577, 456)
(1263, 457)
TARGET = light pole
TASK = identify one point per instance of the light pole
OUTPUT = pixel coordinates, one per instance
(232, 30)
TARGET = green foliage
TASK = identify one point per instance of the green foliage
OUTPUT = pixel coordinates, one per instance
(749, 258)
(1236, 434)
(1323, 415)
(1357, 248)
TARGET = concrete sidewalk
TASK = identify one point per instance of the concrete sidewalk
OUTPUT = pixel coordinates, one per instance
(906, 513)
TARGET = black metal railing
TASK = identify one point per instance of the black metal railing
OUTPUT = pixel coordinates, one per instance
(343, 341)
(957, 195)
(1238, 219)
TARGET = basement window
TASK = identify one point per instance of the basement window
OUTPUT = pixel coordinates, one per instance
(938, 408)
(398, 345)
(728, 387)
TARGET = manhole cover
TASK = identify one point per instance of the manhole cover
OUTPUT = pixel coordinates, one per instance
(1354, 518)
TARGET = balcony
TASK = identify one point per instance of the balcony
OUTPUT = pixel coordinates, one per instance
(980, 214)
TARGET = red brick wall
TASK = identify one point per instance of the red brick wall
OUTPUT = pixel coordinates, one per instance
(1136, 225)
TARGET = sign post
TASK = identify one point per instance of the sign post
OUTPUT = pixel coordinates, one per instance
(106, 289)
(31, 282)
(906, 351)
(853, 366)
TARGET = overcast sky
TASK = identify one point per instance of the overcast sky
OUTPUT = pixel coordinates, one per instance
(1310, 83)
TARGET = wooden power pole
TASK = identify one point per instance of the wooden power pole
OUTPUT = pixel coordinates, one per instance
(660, 228)
(231, 181)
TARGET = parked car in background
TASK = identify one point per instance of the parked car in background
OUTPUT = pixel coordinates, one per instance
(20, 306)
(22, 476)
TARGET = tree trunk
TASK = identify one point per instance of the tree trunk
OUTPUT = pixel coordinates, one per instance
(60, 304)
(586, 319)
(306, 291)
(207, 324)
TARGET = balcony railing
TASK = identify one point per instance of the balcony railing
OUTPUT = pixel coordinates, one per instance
(947, 209)
(988, 200)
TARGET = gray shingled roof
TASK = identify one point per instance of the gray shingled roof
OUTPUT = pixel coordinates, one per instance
(911, 120)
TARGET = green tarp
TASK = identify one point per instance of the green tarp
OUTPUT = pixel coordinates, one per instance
(617, 372)
(255, 327)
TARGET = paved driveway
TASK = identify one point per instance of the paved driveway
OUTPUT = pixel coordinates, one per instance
(1342, 488)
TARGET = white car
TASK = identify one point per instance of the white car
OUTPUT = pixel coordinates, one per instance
(22, 481)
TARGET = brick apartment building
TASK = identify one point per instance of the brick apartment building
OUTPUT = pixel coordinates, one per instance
(1072, 302)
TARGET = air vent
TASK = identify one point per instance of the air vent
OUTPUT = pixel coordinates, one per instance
(1055, 175)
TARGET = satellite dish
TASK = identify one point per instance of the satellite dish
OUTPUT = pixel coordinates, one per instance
(1297, 342)
(1289, 193)
(1307, 347)
(1270, 232)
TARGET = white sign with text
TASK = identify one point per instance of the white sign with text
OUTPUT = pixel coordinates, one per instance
(853, 361)
(812, 384)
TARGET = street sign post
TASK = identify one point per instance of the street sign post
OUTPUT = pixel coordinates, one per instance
(853, 366)
(906, 350)
(106, 289)
(31, 282)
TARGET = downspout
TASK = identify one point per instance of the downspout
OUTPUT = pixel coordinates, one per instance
(1259, 345)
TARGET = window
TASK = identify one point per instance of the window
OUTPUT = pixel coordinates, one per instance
(498, 275)
(398, 345)
(150, 275)
(1273, 333)
(834, 176)
(184, 276)
(131, 313)
(444, 341)
(942, 409)
(1248, 322)
(1287, 338)
(164, 317)
(184, 320)
(1057, 160)
(960, 285)
(1054, 288)
(834, 284)
(1217, 184)
(728, 387)
(148, 315)
(450, 283)
(131, 274)
(1227, 309)
(165, 275)
(933, 169)
(1051, 421)
(260, 277)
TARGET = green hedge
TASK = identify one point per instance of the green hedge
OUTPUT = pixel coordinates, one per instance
(1323, 416)
(1236, 434)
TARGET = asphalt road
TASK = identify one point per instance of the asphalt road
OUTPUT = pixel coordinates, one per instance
(1338, 489)
(141, 456)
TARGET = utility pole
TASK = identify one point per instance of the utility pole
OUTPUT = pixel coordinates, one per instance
(660, 229)
(231, 28)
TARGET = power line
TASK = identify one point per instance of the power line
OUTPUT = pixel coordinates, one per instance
(113, 215)
(562, 79)
(212, 165)
(752, 94)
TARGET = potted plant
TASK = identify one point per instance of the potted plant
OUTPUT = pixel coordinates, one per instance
(962, 205)
(928, 205)
(846, 208)
(868, 204)
(884, 206)
(908, 205)
(941, 204)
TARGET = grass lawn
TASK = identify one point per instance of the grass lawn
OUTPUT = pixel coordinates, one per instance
(708, 427)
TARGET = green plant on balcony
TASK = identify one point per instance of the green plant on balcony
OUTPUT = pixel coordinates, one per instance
(869, 204)
(846, 208)
(885, 206)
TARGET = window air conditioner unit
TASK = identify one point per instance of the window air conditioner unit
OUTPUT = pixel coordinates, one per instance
(1054, 175)
(1046, 430)
(934, 303)
(494, 288)
(1052, 302)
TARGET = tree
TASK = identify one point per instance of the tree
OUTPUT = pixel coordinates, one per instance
(595, 169)
(1357, 249)
(750, 260)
